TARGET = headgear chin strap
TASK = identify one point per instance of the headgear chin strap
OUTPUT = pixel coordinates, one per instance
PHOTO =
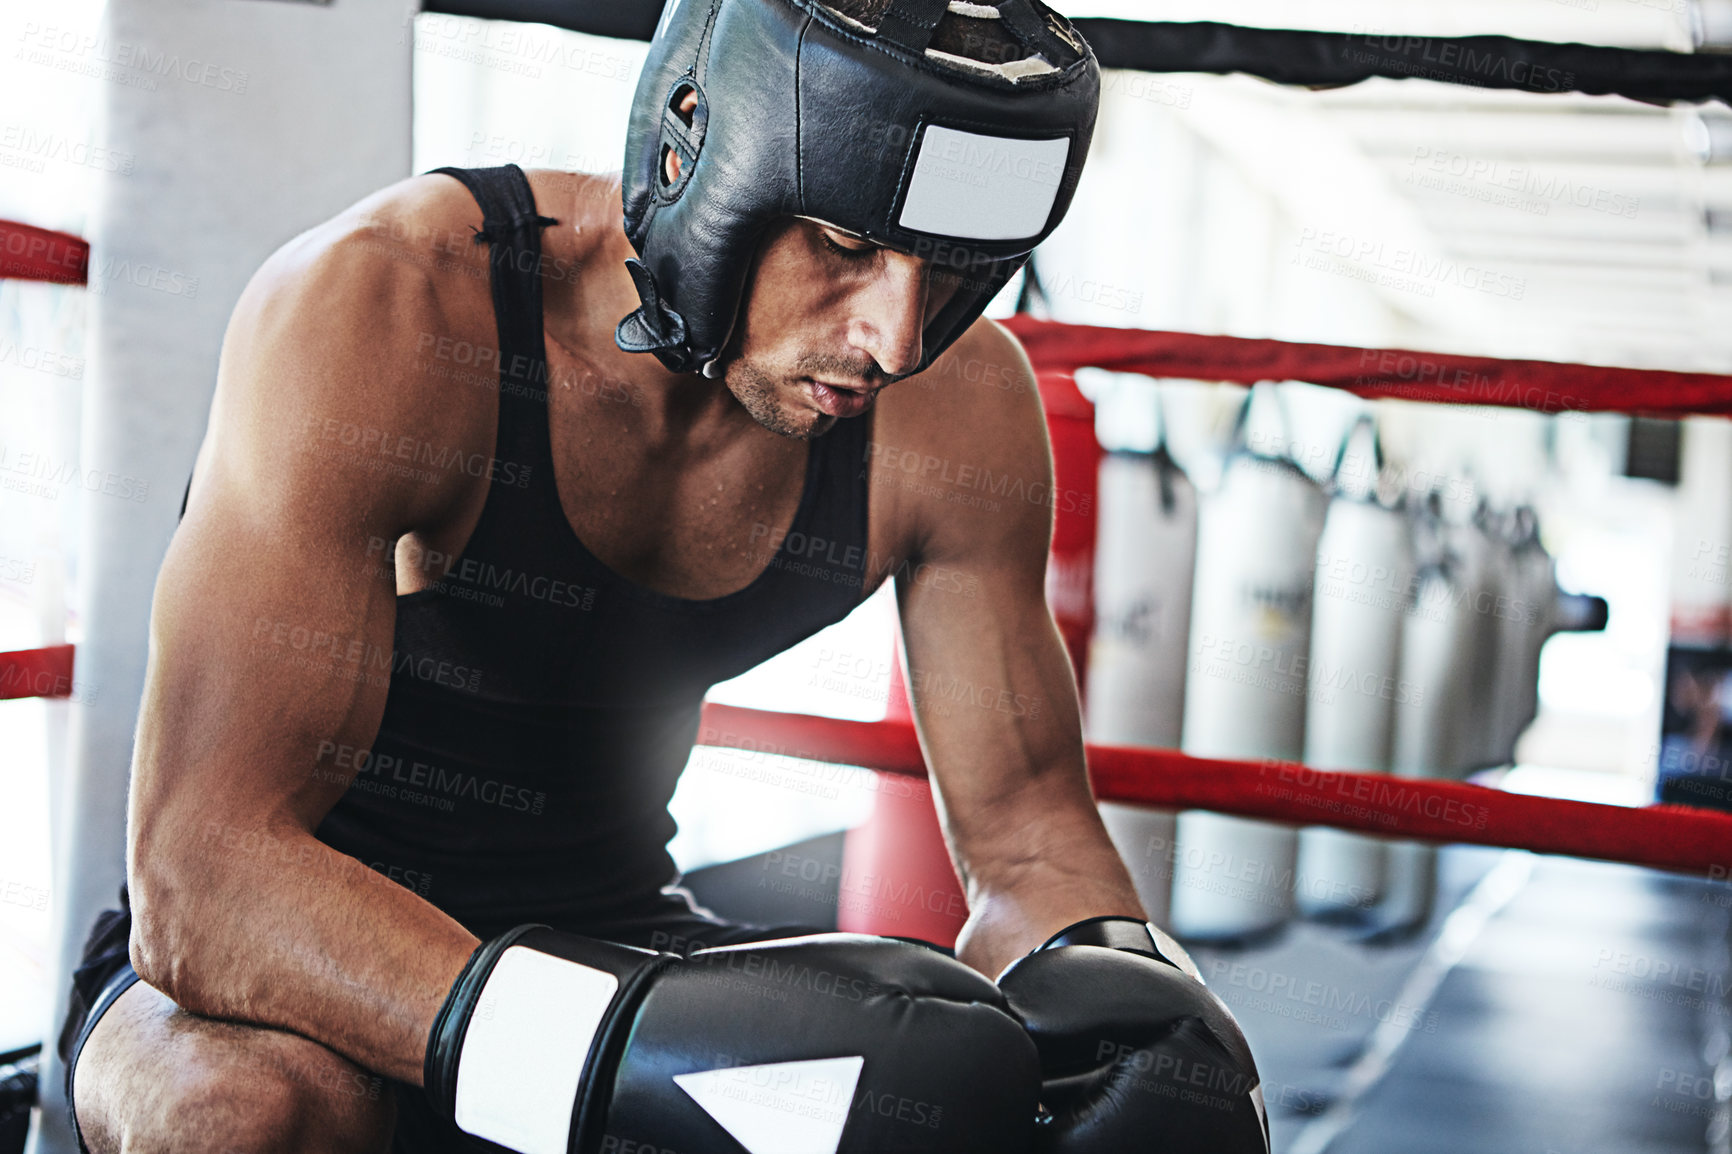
(801, 111)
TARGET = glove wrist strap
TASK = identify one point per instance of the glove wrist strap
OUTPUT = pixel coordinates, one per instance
(516, 1043)
(1122, 933)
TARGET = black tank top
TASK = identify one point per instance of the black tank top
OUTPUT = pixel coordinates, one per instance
(541, 707)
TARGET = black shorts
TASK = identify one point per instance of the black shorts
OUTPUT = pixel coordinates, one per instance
(670, 922)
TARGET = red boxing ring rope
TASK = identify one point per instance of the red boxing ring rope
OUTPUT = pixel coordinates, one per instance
(1544, 386)
(31, 253)
(1660, 837)
(36, 673)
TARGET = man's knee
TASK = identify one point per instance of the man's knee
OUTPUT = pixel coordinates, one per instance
(158, 1080)
(218, 1112)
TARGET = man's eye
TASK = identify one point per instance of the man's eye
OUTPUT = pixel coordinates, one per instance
(836, 246)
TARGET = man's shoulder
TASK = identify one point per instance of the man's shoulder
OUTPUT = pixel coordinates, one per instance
(979, 397)
(967, 442)
(334, 344)
(409, 243)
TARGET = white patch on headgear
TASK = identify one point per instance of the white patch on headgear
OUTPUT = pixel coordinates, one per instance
(975, 187)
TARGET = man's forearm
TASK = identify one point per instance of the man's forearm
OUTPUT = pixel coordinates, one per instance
(1046, 868)
(278, 929)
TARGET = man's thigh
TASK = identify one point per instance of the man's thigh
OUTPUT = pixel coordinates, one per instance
(152, 1077)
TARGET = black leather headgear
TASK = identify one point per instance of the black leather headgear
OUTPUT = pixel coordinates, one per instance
(804, 112)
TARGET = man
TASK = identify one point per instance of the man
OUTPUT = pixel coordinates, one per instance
(453, 628)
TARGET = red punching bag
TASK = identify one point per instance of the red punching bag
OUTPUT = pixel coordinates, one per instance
(897, 879)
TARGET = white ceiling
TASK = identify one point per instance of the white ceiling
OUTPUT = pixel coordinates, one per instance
(1602, 209)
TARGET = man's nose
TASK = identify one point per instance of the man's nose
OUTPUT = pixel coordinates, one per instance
(890, 315)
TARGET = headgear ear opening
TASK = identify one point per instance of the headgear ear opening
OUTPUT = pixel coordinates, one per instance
(893, 132)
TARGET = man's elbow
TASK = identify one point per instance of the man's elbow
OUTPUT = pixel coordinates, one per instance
(164, 931)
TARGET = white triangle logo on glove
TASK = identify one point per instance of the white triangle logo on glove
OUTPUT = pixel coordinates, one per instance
(780, 1108)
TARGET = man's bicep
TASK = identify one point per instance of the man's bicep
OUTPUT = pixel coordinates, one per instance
(268, 647)
(273, 621)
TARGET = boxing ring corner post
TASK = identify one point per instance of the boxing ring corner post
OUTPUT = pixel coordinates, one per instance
(308, 112)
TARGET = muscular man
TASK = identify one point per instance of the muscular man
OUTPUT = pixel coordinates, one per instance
(463, 551)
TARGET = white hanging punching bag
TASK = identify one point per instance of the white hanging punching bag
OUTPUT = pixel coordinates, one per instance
(1436, 665)
(1144, 561)
(1702, 534)
(1364, 579)
(1250, 639)
(1534, 610)
(1524, 621)
(1487, 560)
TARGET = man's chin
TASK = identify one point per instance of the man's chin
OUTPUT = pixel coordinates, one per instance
(802, 424)
(787, 408)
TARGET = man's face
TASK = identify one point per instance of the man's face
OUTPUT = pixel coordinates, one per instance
(829, 320)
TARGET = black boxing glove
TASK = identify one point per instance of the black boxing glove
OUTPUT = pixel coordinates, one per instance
(1136, 1053)
(551, 1043)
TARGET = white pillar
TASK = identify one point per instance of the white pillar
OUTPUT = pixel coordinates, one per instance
(250, 122)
